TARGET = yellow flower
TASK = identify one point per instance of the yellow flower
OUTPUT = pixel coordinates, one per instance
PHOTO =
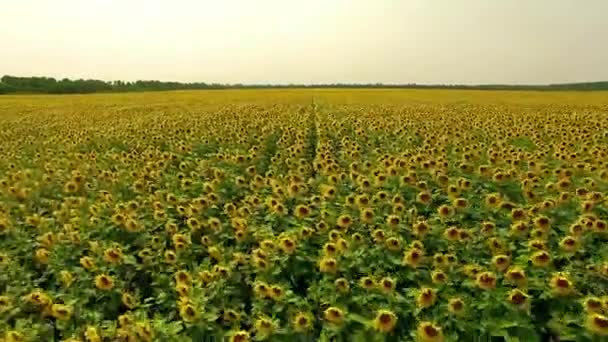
(385, 321)
(88, 263)
(264, 327)
(456, 306)
(287, 245)
(413, 257)
(92, 335)
(170, 257)
(13, 336)
(239, 336)
(561, 285)
(334, 315)
(486, 280)
(61, 312)
(187, 313)
(66, 278)
(112, 255)
(342, 285)
(387, 285)
(501, 262)
(541, 259)
(183, 277)
(393, 244)
(144, 331)
(42, 255)
(429, 332)
(276, 292)
(517, 276)
(344, 221)
(128, 300)
(426, 297)
(518, 298)
(104, 282)
(328, 265)
(367, 283)
(302, 322)
(597, 324)
(593, 305)
(302, 211)
(439, 277)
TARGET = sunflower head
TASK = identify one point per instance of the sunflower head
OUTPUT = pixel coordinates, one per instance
(429, 332)
(302, 322)
(342, 285)
(426, 297)
(104, 282)
(597, 324)
(334, 315)
(456, 306)
(385, 321)
(486, 280)
(561, 285)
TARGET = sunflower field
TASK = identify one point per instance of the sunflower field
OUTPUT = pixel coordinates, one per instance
(304, 215)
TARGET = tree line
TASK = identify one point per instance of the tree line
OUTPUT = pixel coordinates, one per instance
(49, 85)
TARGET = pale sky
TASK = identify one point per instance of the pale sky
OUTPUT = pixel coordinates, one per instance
(312, 41)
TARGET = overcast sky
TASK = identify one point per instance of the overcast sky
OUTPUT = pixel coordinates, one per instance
(312, 41)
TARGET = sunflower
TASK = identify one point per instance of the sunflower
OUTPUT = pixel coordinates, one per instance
(61, 312)
(387, 285)
(593, 305)
(112, 255)
(393, 244)
(501, 262)
(445, 211)
(239, 336)
(517, 276)
(276, 292)
(42, 255)
(92, 335)
(128, 300)
(541, 258)
(569, 244)
(413, 257)
(393, 221)
(104, 282)
(334, 315)
(429, 332)
(301, 211)
(439, 277)
(597, 324)
(518, 298)
(287, 245)
(456, 306)
(183, 277)
(486, 280)
(460, 203)
(342, 285)
(426, 297)
(420, 229)
(188, 313)
(561, 285)
(328, 265)
(385, 321)
(424, 197)
(302, 322)
(452, 234)
(367, 282)
(344, 221)
(264, 327)
(88, 263)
